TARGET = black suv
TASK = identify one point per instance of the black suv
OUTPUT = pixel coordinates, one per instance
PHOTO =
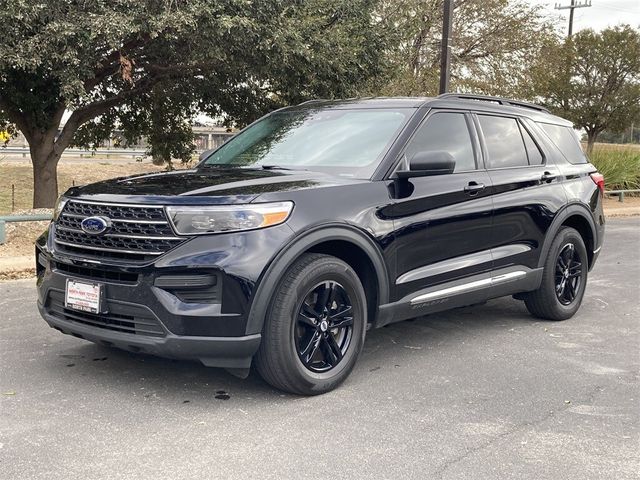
(320, 221)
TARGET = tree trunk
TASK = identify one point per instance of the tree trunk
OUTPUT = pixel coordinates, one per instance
(592, 135)
(45, 174)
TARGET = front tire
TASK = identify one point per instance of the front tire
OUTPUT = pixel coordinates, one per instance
(315, 327)
(564, 278)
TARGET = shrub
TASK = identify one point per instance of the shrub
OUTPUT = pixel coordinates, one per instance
(620, 167)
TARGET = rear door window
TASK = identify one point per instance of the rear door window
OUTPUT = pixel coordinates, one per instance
(566, 140)
(503, 141)
(533, 152)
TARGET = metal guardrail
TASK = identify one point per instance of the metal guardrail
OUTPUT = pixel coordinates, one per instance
(78, 152)
(100, 152)
(19, 218)
(620, 193)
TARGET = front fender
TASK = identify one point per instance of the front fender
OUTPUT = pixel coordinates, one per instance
(270, 280)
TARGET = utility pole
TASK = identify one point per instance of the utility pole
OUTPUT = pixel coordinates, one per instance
(572, 7)
(445, 55)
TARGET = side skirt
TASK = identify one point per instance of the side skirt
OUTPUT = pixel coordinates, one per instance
(460, 293)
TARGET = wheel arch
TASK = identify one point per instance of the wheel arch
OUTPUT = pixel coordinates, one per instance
(576, 216)
(342, 241)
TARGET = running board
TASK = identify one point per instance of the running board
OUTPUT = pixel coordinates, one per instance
(468, 287)
(460, 293)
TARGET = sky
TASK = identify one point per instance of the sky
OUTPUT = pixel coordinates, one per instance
(601, 13)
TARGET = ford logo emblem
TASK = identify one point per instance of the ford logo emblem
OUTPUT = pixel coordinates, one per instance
(95, 225)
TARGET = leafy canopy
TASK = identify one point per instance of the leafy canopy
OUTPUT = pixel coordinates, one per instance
(151, 64)
(593, 79)
(493, 41)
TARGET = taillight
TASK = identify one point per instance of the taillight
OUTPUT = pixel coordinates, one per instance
(598, 179)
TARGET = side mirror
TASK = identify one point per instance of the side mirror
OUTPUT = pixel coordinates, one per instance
(205, 154)
(424, 164)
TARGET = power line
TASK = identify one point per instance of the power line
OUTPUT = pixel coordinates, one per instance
(618, 9)
(572, 7)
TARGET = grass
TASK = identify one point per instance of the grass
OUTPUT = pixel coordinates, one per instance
(20, 175)
(620, 166)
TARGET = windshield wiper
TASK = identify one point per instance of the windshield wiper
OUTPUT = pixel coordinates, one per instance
(217, 165)
(279, 167)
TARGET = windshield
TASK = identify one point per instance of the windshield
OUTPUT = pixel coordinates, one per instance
(343, 142)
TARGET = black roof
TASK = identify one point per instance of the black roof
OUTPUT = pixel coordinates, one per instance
(369, 102)
(461, 101)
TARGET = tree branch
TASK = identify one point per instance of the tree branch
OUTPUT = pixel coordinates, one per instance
(95, 109)
(100, 75)
(110, 64)
(83, 114)
(17, 117)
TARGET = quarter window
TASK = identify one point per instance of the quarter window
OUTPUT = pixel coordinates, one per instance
(566, 140)
(445, 132)
(503, 140)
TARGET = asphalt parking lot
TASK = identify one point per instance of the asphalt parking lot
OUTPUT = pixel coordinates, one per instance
(486, 392)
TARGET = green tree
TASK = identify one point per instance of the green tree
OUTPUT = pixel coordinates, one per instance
(150, 65)
(493, 41)
(592, 79)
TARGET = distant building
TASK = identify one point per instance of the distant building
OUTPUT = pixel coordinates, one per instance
(211, 137)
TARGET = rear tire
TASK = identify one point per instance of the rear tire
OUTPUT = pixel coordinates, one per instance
(315, 328)
(564, 278)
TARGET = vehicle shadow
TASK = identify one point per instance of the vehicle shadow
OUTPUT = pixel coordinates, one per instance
(190, 382)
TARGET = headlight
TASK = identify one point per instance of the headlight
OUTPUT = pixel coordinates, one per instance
(227, 218)
(57, 210)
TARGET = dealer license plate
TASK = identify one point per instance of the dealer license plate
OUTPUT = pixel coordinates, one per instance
(83, 296)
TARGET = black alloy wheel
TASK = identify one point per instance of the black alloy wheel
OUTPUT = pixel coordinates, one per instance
(564, 278)
(315, 326)
(568, 274)
(324, 326)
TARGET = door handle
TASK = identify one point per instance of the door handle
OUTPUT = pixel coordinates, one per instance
(548, 177)
(473, 188)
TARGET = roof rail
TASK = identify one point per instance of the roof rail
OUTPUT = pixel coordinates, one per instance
(499, 100)
(313, 100)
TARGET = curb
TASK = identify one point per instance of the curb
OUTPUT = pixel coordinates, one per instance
(12, 268)
(622, 212)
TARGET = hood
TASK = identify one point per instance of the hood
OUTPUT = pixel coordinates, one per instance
(206, 185)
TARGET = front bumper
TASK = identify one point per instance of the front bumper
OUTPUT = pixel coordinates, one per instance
(143, 313)
(225, 352)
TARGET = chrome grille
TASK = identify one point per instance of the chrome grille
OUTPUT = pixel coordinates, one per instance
(114, 211)
(136, 232)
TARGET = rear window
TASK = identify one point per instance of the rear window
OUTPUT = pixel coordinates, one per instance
(566, 140)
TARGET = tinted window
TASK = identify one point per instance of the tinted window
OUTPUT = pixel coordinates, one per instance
(503, 140)
(339, 141)
(445, 132)
(533, 152)
(566, 140)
